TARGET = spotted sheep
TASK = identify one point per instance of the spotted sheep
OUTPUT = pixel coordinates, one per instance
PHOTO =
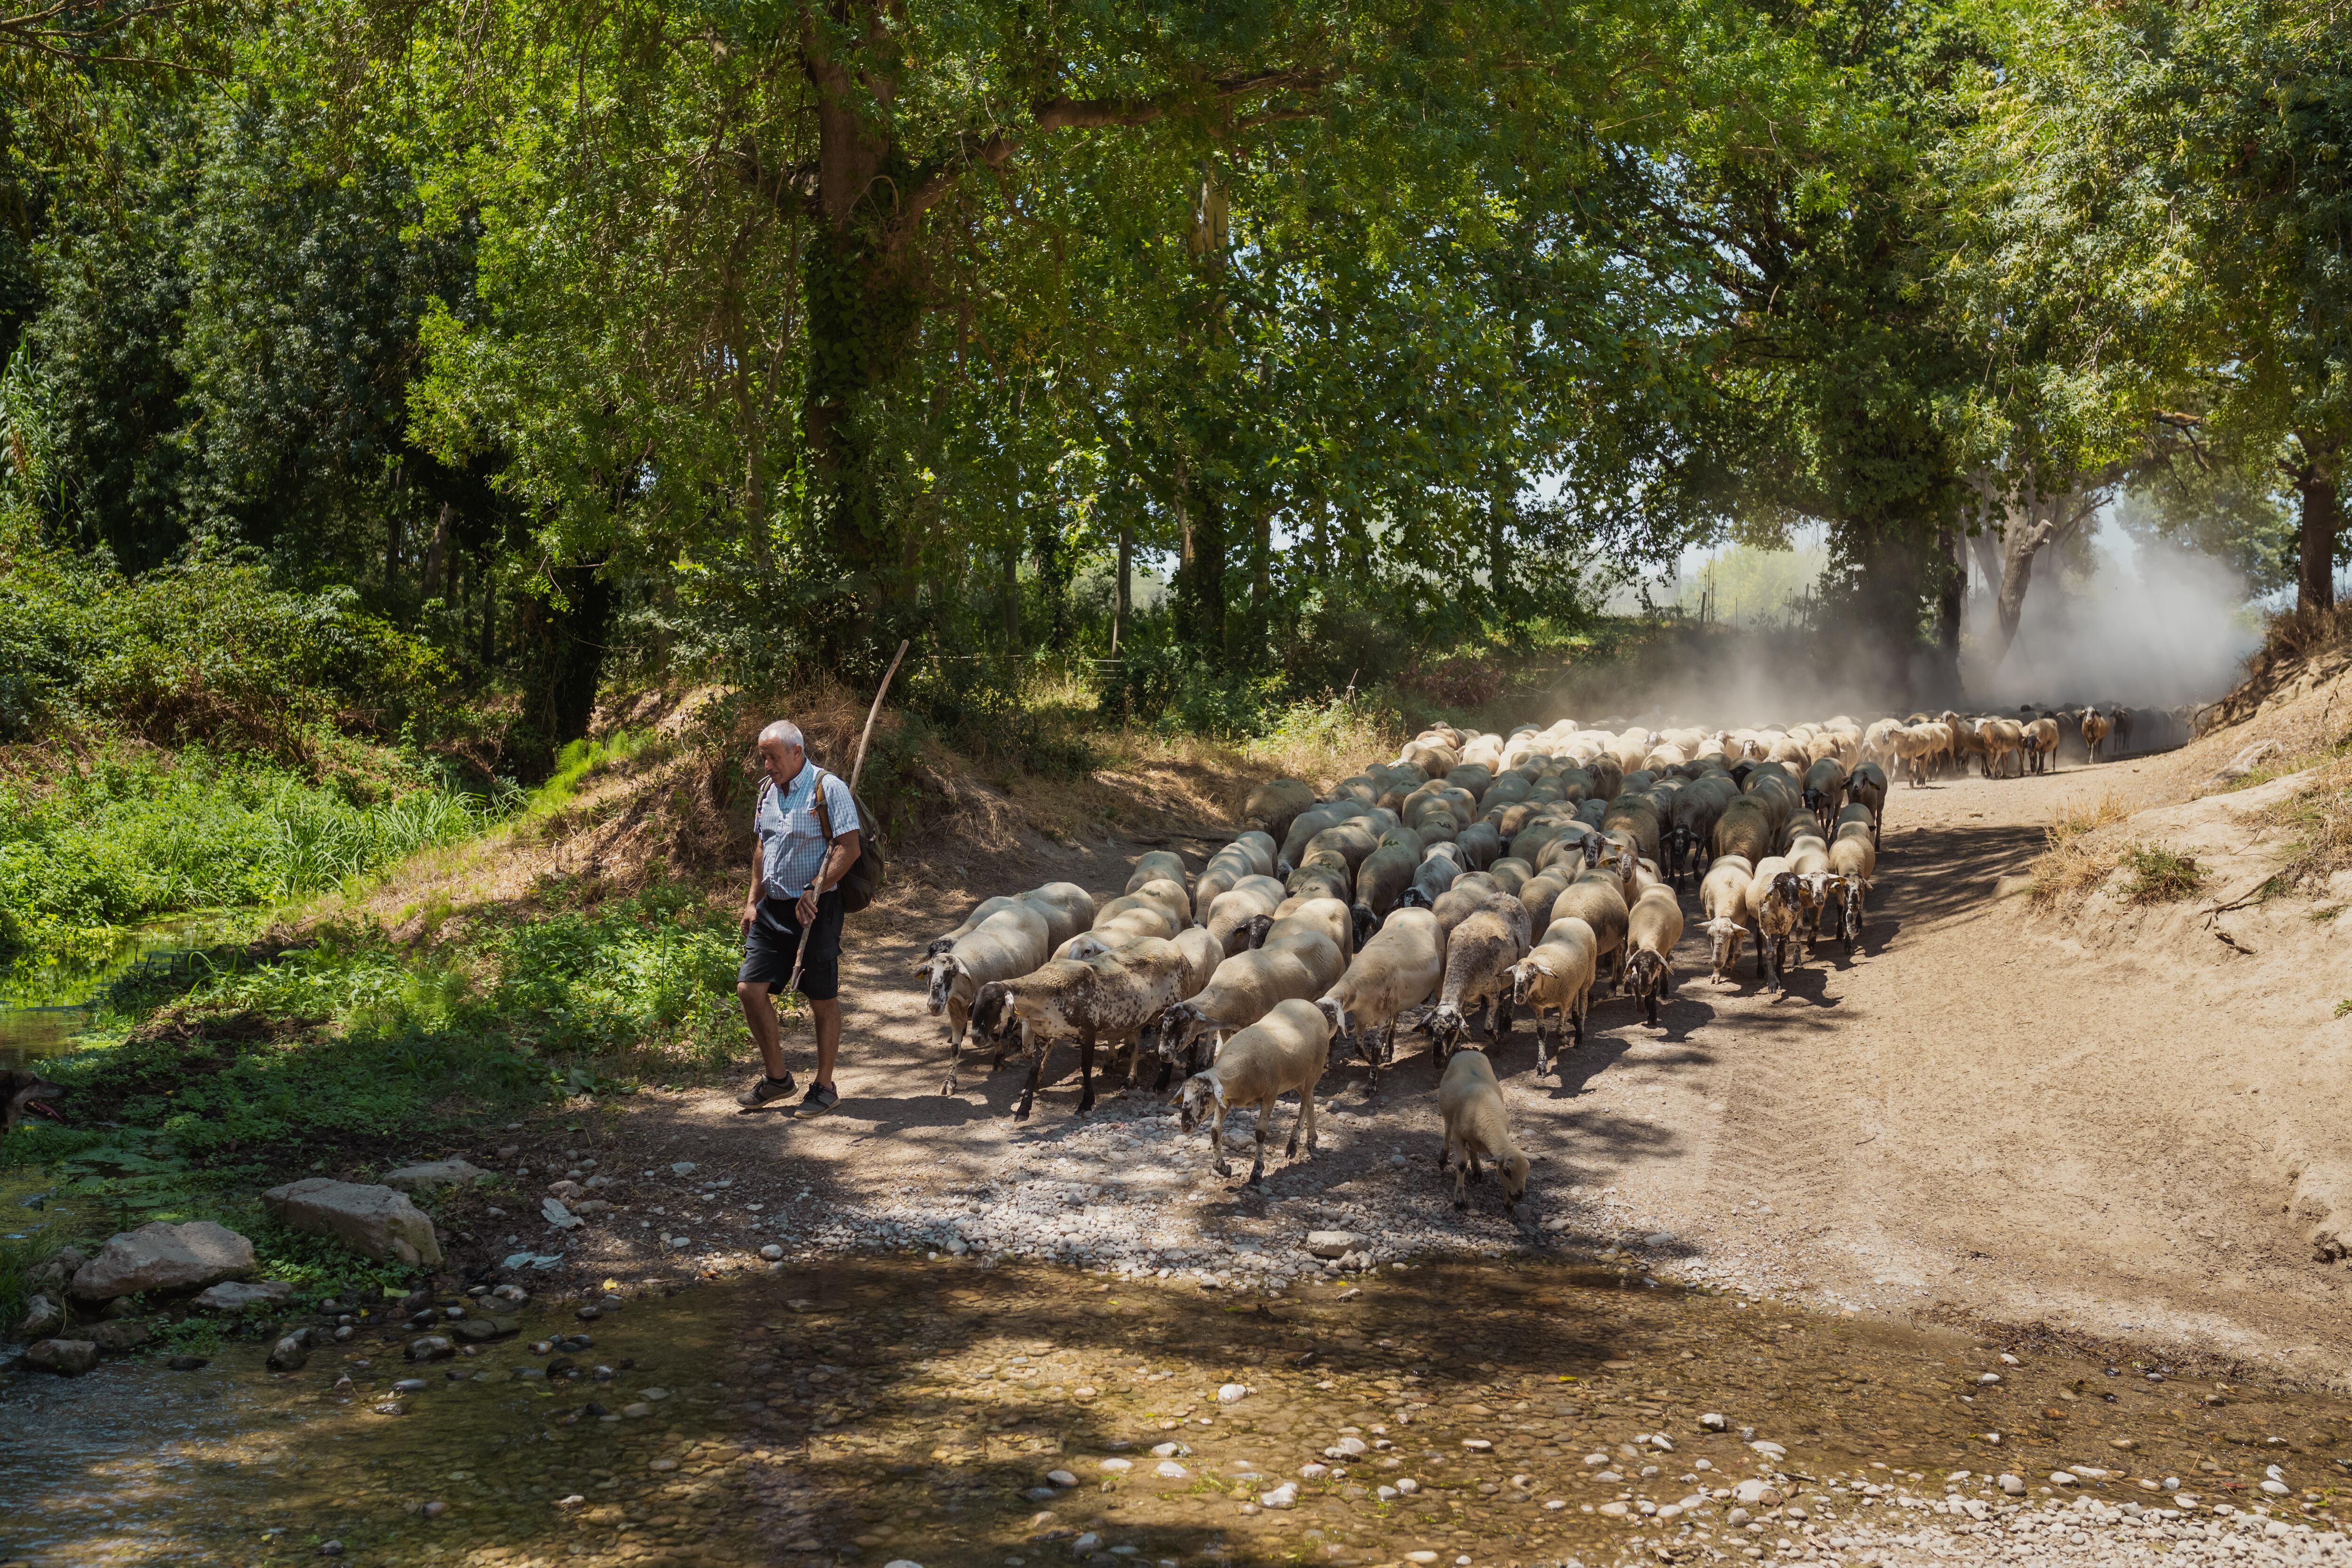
(1775, 905)
(1012, 938)
(1111, 995)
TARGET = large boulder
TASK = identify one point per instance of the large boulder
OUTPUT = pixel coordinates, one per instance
(439, 1174)
(66, 1358)
(161, 1256)
(373, 1221)
(116, 1338)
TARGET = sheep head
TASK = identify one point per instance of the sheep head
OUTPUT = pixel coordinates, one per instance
(1591, 845)
(1178, 1024)
(992, 1010)
(1334, 1014)
(1723, 937)
(1255, 928)
(1201, 1099)
(1447, 1025)
(940, 971)
(1646, 973)
(940, 945)
(1514, 1167)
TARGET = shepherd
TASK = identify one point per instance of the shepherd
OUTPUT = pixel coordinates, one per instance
(805, 829)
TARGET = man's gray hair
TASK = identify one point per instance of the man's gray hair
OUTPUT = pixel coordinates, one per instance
(784, 729)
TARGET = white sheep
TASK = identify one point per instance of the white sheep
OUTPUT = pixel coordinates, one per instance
(1158, 865)
(1477, 1123)
(1010, 942)
(1300, 964)
(1284, 1051)
(1249, 855)
(1557, 976)
(1397, 969)
(1228, 919)
(1723, 901)
(1653, 926)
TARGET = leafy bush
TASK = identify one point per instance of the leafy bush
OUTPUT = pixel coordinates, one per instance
(210, 650)
(2161, 875)
(121, 840)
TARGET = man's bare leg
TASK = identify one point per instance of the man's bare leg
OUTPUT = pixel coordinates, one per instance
(828, 1039)
(760, 1013)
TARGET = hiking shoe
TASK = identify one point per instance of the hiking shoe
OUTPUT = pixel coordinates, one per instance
(765, 1093)
(820, 1099)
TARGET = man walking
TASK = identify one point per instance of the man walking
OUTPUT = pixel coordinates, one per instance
(806, 831)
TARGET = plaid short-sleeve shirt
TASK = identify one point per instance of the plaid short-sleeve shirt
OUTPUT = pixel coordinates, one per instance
(791, 837)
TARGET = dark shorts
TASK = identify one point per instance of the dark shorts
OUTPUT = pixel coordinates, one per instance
(773, 940)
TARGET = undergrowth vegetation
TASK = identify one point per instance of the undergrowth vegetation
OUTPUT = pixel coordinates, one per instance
(2066, 872)
(2320, 816)
(125, 837)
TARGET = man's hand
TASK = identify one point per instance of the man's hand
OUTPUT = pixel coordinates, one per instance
(807, 906)
(750, 913)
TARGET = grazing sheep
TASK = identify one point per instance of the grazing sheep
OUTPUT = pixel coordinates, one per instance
(1272, 807)
(1598, 899)
(1326, 877)
(1654, 925)
(1229, 915)
(1162, 893)
(1722, 899)
(1397, 969)
(2041, 745)
(1477, 1123)
(1557, 976)
(1287, 1050)
(1251, 854)
(1775, 905)
(1301, 963)
(1482, 846)
(1110, 997)
(1867, 786)
(1010, 942)
(1479, 952)
(1436, 873)
(2097, 728)
(1159, 865)
(1510, 874)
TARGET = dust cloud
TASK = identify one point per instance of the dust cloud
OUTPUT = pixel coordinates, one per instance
(2152, 626)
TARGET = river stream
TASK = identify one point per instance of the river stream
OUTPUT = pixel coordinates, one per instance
(896, 1409)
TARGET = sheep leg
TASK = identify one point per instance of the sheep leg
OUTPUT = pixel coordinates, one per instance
(1217, 1144)
(1086, 1072)
(1498, 1026)
(1387, 1042)
(1029, 1090)
(1257, 1164)
(1166, 1071)
(1543, 1062)
(955, 1055)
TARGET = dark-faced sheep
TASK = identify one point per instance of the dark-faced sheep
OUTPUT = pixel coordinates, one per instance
(1653, 926)
(1010, 942)
(1229, 915)
(1301, 964)
(2097, 728)
(1775, 905)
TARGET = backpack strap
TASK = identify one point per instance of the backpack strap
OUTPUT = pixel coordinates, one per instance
(817, 798)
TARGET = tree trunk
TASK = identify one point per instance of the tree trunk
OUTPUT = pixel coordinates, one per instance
(1199, 585)
(564, 659)
(1261, 605)
(437, 557)
(1012, 599)
(489, 617)
(1951, 596)
(2314, 484)
(1121, 591)
(1498, 554)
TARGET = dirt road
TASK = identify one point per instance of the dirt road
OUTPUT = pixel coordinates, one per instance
(1976, 1116)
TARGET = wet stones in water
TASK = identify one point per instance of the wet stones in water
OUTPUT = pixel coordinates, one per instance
(113, 1339)
(431, 1347)
(43, 1318)
(66, 1358)
(188, 1364)
(290, 1353)
(409, 1385)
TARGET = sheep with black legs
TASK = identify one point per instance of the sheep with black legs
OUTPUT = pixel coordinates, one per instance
(1723, 904)
(1283, 1053)
(1300, 963)
(1480, 951)
(1653, 926)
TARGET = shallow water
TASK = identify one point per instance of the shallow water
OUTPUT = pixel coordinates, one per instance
(887, 1408)
(45, 1003)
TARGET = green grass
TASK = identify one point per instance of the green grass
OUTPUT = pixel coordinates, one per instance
(126, 839)
(2161, 876)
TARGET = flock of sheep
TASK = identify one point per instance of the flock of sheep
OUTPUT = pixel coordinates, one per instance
(1472, 874)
